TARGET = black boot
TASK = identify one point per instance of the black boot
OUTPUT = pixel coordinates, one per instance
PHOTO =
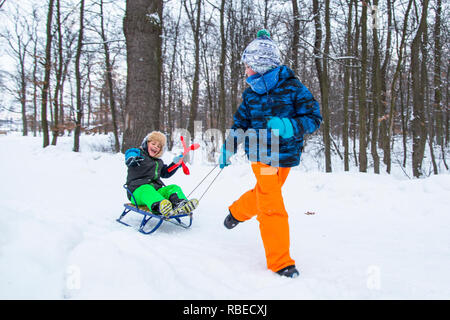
(289, 271)
(230, 221)
(182, 206)
(163, 207)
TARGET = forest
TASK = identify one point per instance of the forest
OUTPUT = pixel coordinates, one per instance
(379, 70)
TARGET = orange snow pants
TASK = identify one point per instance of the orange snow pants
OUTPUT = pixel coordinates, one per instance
(265, 201)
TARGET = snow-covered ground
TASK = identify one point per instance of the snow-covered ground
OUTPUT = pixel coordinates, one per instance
(372, 237)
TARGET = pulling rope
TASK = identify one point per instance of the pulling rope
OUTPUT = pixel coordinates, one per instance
(204, 180)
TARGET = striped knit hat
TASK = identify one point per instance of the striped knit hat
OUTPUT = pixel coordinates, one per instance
(262, 54)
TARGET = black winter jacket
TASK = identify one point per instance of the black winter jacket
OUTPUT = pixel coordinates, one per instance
(149, 171)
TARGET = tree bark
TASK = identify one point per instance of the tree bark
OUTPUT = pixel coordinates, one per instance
(195, 25)
(79, 110)
(295, 37)
(376, 83)
(396, 75)
(419, 122)
(345, 129)
(55, 128)
(362, 93)
(223, 52)
(46, 84)
(322, 73)
(438, 107)
(143, 29)
(109, 80)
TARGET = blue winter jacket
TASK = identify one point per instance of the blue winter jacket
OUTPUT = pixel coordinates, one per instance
(277, 93)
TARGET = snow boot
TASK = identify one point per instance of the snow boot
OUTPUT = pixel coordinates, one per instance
(289, 271)
(186, 206)
(163, 207)
(230, 221)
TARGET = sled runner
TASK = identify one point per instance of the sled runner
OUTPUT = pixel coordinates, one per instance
(148, 215)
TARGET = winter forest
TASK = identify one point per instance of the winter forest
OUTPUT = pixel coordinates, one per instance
(379, 69)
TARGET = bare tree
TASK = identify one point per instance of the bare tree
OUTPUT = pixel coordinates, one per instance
(322, 73)
(394, 90)
(79, 110)
(46, 85)
(363, 93)
(223, 52)
(143, 29)
(295, 36)
(438, 107)
(345, 129)
(59, 70)
(376, 83)
(419, 130)
(109, 80)
(194, 14)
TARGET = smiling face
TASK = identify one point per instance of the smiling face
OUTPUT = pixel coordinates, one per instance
(154, 148)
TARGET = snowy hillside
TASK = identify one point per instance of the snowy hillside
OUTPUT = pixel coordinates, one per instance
(372, 237)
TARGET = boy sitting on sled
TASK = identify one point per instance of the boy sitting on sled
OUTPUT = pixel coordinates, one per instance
(145, 170)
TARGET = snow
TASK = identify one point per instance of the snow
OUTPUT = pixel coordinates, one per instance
(372, 237)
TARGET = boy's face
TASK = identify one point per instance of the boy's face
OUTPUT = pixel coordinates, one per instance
(153, 148)
(249, 71)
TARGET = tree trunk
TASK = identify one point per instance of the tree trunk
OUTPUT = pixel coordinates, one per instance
(376, 83)
(322, 74)
(383, 135)
(438, 107)
(345, 129)
(295, 37)
(171, 93)
(79, 110)
(418, 123)
(195, 25)
(143, 29)
(362, 93)
(223, 52)
(109, 80)
(23, 91)
(396, 75)
(55, 128)
(46, 84)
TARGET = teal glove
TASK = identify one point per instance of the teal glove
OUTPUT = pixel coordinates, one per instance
(133, 157)
(224, 159)
(283, 125)
(177, 158)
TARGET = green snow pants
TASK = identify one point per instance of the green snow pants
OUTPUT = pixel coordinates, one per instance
(148, 195)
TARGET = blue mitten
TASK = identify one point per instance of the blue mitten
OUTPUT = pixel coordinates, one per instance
(283, 125)
(133, 157)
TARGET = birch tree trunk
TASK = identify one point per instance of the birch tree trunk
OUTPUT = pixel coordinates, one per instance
(79, 110)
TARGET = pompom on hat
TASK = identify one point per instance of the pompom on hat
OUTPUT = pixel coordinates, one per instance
(262, 54)
(155, 136)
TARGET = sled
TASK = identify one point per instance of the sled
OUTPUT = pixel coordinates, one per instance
(148, 215)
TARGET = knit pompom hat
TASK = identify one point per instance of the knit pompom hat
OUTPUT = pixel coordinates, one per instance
(262, 54)
(156, 136)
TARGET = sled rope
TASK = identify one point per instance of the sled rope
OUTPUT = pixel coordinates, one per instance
(204, 180)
